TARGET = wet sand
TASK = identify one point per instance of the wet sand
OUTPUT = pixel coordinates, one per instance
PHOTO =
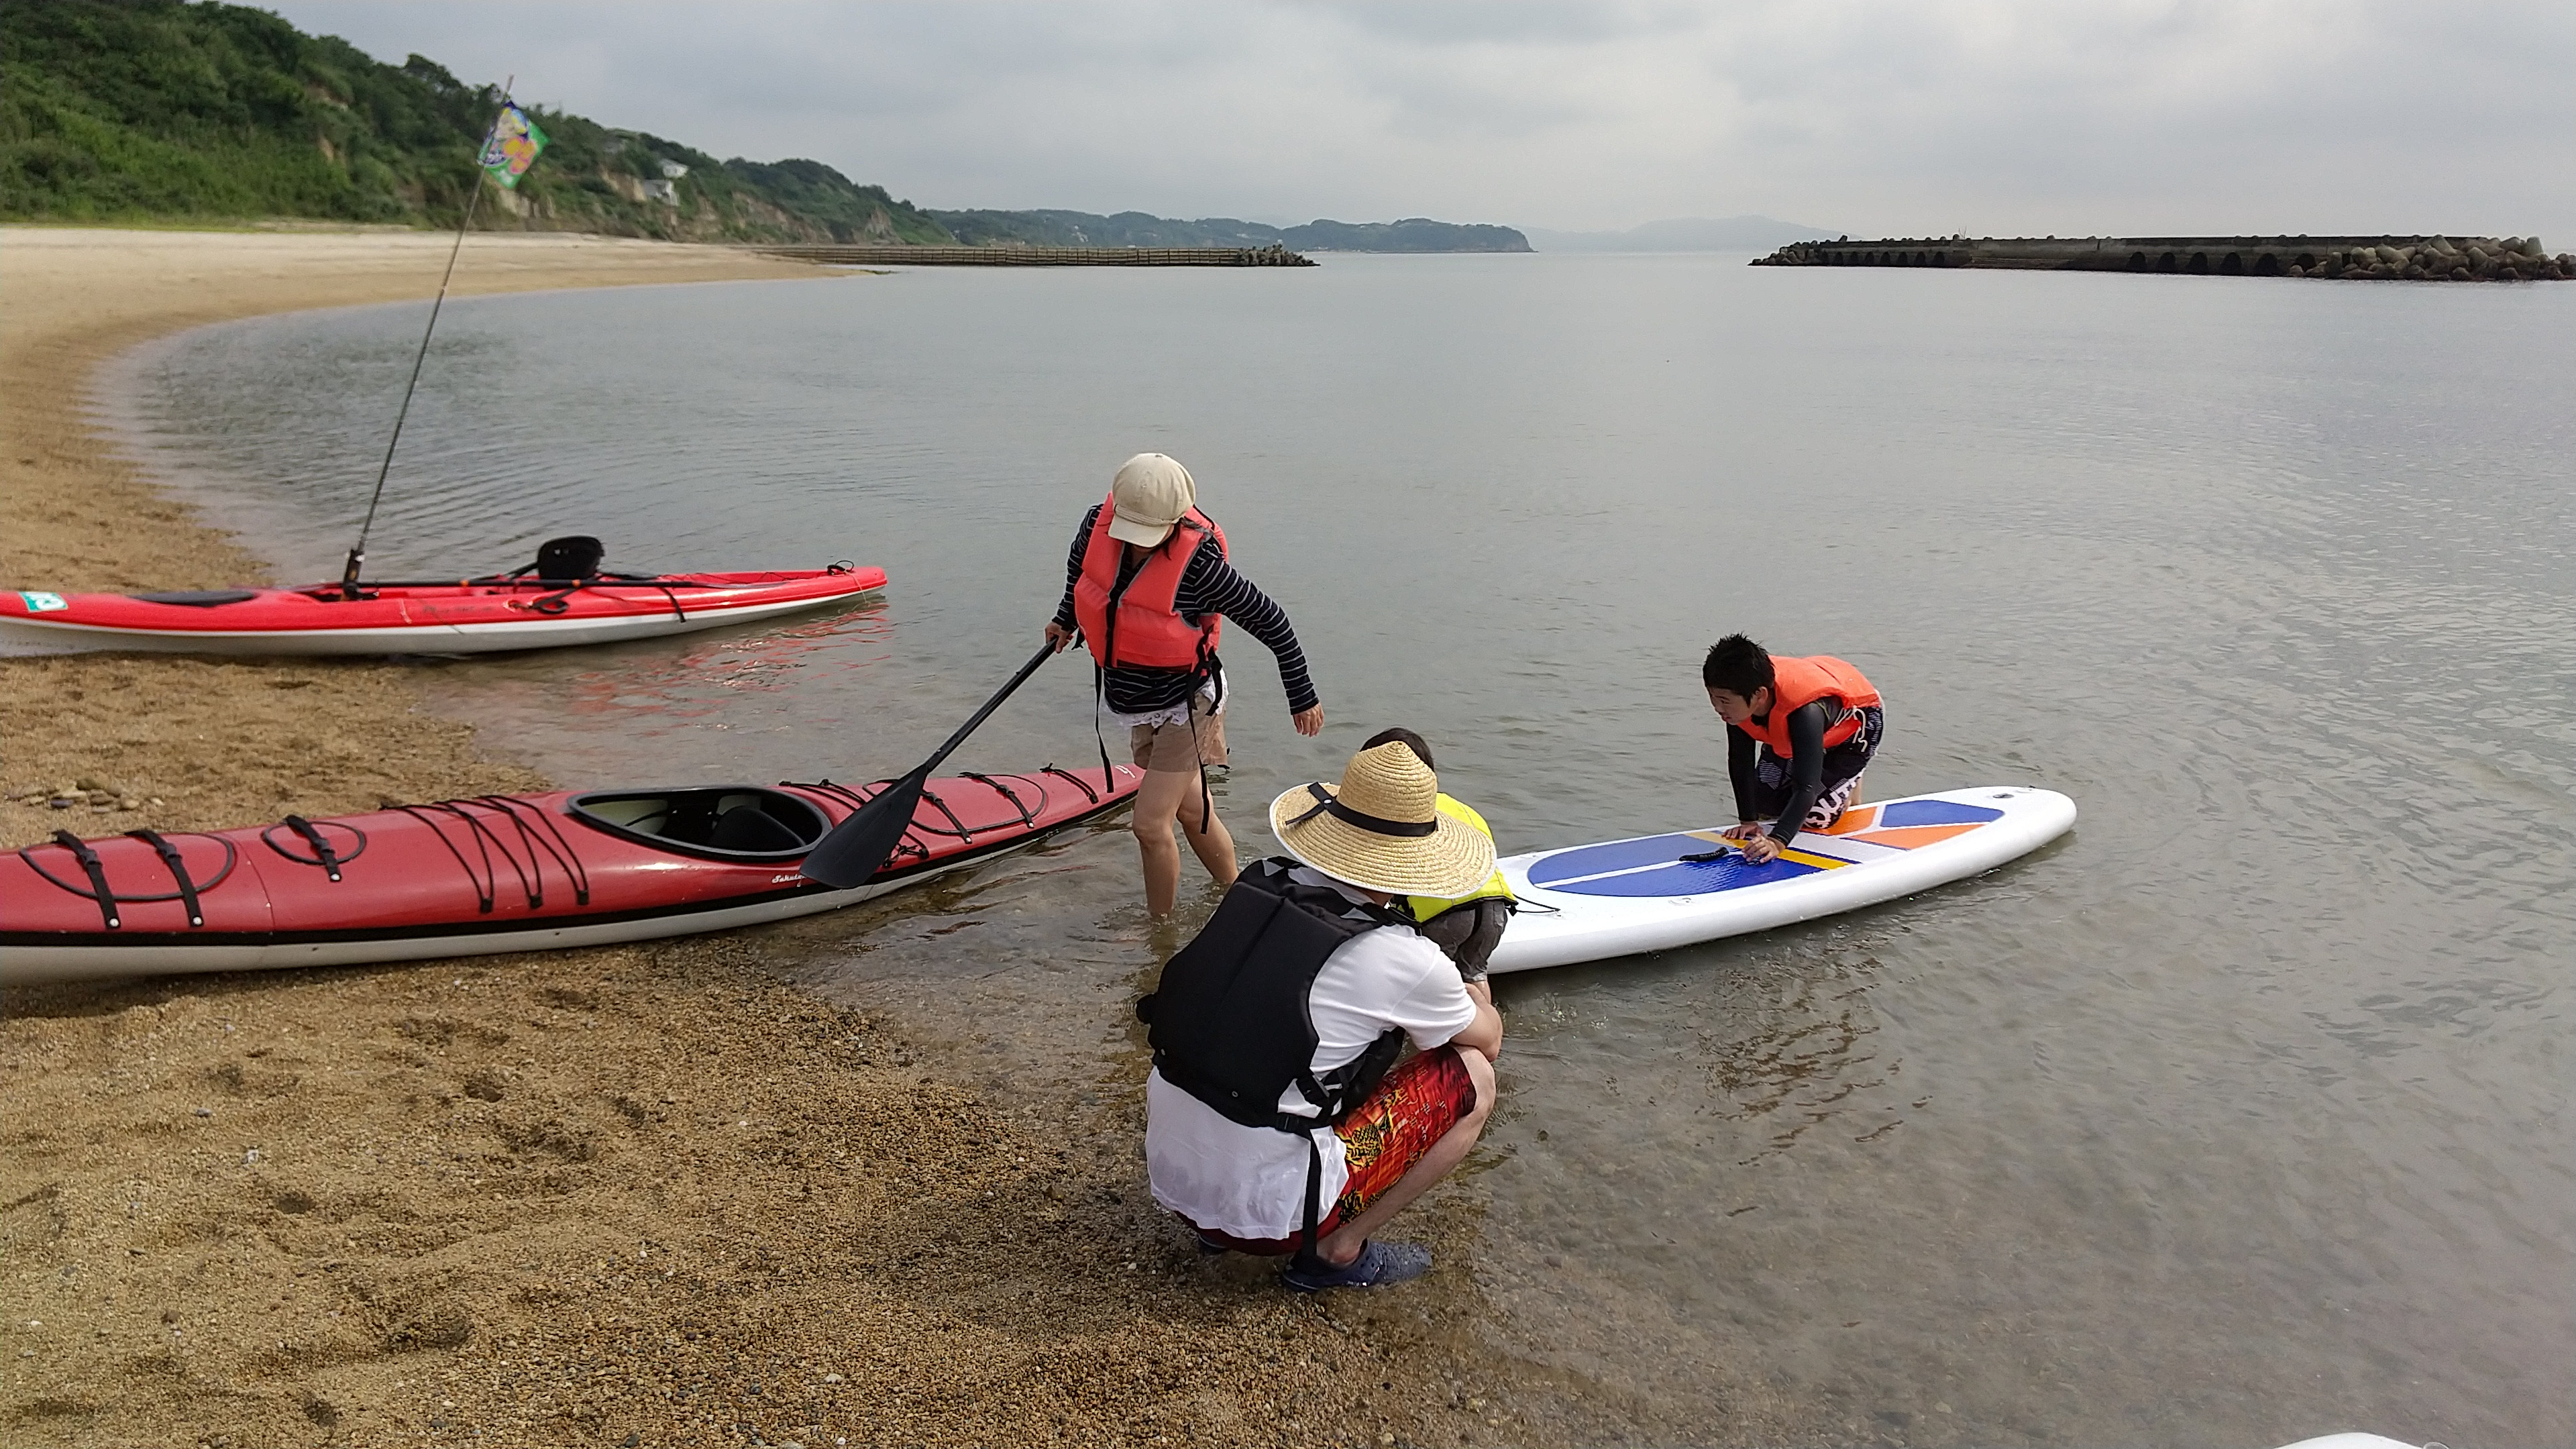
(650, 1195)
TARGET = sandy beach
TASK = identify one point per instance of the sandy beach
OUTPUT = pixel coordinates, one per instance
(652, 1195)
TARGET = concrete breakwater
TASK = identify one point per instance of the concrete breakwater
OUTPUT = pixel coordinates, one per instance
(1014, 256)
(2395, 258)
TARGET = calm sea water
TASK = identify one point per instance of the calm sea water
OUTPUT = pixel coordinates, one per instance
(2237, 1115)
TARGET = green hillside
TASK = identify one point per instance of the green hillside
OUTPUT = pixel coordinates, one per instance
(132, 110)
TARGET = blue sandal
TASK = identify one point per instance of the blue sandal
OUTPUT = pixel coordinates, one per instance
(1379, 1265)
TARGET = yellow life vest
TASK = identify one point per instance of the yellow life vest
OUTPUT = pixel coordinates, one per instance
(1494, 888)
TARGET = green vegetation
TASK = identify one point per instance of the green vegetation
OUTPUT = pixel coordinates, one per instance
(135, 110)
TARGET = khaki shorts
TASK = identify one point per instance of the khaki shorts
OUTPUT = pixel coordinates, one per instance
(1169, 748)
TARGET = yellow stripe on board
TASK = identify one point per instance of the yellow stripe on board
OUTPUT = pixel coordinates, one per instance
(1820, 862)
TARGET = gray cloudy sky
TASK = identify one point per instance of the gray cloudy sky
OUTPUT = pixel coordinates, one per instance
(1990, 117)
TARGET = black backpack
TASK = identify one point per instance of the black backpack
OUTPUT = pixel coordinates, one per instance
(1231, 1022)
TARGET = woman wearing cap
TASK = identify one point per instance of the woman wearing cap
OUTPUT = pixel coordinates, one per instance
(1273, 1122)
(1147, 585)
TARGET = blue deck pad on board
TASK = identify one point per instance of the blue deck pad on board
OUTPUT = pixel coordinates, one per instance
(1933, 812)
(1695, 879)
(1585, 860)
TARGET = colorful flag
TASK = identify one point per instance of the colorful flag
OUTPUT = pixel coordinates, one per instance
(512, 147)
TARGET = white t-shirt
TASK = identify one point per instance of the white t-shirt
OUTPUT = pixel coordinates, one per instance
(1251, 1181)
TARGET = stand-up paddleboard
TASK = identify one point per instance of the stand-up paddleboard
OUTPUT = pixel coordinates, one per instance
(1623, 897)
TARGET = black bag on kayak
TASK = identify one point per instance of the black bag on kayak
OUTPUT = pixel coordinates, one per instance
(1231, 1022)
(569, 560)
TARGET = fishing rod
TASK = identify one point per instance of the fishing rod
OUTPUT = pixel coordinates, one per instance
(358, 554)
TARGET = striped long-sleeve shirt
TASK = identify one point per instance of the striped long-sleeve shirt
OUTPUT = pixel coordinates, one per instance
(1209, 585)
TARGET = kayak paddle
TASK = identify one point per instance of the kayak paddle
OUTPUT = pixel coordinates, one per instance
(861, 843)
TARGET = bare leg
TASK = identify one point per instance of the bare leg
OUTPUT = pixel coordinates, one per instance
(1165, 797)
(1343, 1244)
(1214, 846)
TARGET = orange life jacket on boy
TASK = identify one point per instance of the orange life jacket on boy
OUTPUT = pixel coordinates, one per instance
(1796, 683)
(1148, 630)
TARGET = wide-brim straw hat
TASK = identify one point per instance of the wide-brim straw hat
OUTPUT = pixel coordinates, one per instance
(1381, 828)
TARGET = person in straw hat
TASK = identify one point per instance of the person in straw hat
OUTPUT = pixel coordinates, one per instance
(1466, 928)
(1278, 1119)
(1148, 587)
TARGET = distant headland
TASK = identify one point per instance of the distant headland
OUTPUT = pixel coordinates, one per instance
(2349, 258)
(1748, 233)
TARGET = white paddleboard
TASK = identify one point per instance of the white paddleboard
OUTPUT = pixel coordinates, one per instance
(1623, 897)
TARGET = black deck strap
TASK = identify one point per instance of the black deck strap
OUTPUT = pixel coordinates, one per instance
(840, 794)
(323, 855)
(998, 788)
(1078, 782)
(178, 872)
(483, 884)
(1044, 798)
(96, 872)
(964, 835)
(674, 598)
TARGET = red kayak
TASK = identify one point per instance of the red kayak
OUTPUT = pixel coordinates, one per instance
(491, 874)
(466, 616)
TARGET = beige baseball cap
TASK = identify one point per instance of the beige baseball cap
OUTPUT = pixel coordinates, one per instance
(1151, 492)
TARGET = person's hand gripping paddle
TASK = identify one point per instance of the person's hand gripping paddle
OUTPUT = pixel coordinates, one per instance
(860, 844)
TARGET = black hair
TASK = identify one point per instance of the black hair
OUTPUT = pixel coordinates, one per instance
(1421, 747)
(1737, 665)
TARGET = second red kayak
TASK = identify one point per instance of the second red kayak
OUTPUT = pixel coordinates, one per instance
(491, 874)
(470, 616)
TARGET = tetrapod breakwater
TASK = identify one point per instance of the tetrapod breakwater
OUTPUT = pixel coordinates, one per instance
(2349, 258)
(938, 256)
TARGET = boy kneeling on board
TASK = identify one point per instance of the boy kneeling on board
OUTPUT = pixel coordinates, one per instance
(1277, 1118)
(1466, 928)
(1816, 723)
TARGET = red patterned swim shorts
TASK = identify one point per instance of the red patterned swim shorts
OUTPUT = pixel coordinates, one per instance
(1413, 1107)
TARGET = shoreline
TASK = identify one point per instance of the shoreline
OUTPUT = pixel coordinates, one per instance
(642, 1195)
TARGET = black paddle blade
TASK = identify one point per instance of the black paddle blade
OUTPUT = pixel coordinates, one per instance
(861, 843)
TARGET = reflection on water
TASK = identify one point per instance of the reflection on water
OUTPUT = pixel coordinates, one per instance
(2236, 1115)
(699, 706)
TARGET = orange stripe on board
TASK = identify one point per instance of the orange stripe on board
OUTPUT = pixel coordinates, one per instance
(1911, 837)
(1859, 817)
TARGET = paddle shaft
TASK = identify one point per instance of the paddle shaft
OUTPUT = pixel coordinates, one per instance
(867, 836)
(1045, 653)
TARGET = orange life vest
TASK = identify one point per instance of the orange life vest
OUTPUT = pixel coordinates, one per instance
(1796, 683)
(1148, 630)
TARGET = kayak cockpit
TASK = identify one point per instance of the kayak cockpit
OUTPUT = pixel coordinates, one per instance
(723, 822)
